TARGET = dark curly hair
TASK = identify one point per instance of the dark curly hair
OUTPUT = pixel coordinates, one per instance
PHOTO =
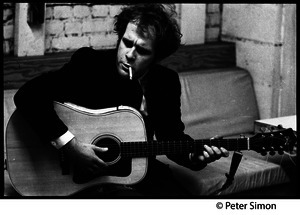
(158, 17)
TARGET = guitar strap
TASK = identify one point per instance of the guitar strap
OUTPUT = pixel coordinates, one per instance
(235, 162)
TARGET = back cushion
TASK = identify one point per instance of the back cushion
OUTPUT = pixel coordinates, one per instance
(218, 102)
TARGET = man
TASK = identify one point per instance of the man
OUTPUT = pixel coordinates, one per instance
(130, 76)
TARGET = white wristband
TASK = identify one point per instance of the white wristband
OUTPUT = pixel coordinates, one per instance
(62, 140)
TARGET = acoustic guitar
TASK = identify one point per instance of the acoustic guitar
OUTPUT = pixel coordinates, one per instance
(36, 168)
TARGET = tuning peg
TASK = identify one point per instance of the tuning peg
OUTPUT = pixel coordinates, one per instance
(280, 150)
(263, 129)
(217, 137)
(272, 151)
(280, 126)
(263, 151)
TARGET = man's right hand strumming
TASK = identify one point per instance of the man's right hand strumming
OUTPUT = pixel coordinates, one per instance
(84, 158)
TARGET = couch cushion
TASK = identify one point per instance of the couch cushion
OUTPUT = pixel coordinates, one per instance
(218, 102)
(222, 102)
(254, 171)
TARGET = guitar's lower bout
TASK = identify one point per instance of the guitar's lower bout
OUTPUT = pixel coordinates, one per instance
(34, 166)
(122, 168)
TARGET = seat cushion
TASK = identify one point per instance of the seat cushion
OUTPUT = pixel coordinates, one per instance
(218, 102)
(254, 171)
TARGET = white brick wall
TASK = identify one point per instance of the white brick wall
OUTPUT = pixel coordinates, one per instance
(8, 31)
(83, 25)
(81, 11)
(54, 28)
(103, 41)
(114, 10)
(100, 11)
(62, 12)
(74, 27)
(92, 22)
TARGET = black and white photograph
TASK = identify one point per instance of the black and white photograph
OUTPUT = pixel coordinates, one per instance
(150, 101)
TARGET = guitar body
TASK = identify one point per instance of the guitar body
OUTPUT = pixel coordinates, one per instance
(34, 166)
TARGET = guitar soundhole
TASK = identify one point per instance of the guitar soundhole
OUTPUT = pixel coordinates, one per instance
(113, 145)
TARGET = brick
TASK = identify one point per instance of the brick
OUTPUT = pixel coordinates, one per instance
(48, 42)
(8, 31)
(114, 10)
(100, 10)
(81, 11)
(7, 14)
(60, 43)
(88, 26)
(62, 12)
(212, 34)
(67, 43)
(213, 19)
(103, 40)
(73, 28)
(6, 47)
(49, 13)
(213, 8)
(103, 25)
(78, 42)
(54, 27)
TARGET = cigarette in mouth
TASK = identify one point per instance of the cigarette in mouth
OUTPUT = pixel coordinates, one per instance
(130, 73)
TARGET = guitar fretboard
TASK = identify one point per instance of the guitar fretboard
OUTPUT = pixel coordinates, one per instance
(152, 148)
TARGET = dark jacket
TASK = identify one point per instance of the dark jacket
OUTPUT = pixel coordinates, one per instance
(90, 80)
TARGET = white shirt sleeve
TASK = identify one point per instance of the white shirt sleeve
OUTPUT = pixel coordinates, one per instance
(62, 140)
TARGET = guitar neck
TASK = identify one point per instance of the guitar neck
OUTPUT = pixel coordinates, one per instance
(152, 148)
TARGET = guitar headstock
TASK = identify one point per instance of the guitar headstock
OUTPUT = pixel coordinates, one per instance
(280, 140)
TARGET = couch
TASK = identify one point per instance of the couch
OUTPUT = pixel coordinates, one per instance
(222, 102)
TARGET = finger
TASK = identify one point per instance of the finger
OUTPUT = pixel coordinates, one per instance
(201, 158)
(209, 150)
(195, 158)
(98, 161)
(217, 152)
(212, 156)
(206, 156)
(225, 153)
(100, 149)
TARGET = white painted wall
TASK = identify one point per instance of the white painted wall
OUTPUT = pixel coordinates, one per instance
(193, 23)
(258, 31)
(28, 41)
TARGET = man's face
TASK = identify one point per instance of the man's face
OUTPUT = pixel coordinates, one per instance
(135, 51)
